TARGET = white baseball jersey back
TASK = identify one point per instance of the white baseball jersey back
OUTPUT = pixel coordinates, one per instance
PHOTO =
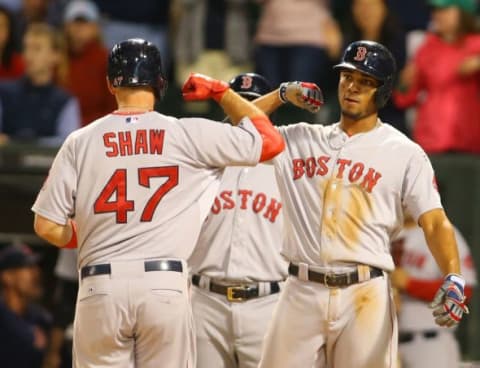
(242, 236)
(344, 196)
(419, 263)
(152, 184)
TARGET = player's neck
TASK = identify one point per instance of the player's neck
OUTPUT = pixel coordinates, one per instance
(135, 100)
(354, 126)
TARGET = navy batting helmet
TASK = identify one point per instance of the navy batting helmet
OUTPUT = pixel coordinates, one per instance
(136, 62)
(375, 60)
(250, 85)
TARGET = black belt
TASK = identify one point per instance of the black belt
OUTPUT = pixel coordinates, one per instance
(157, 265)
(404, 337)
(334, 279)
(237, 293)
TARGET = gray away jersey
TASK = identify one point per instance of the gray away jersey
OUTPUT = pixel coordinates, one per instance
(140, 185)
(242, 236)
(344, 196)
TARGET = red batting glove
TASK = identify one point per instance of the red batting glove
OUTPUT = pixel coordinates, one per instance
(200, 87)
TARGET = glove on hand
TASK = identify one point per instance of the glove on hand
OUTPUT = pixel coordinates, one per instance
(449, 301)
(307, 96)
(200, 87)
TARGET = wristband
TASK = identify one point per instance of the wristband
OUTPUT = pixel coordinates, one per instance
(282, 92)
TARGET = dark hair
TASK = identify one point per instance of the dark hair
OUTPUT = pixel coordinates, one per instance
(10, 44)
(468, 23)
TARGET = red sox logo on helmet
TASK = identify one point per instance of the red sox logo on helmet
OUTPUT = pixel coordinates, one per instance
(246, 82)
(361, 53)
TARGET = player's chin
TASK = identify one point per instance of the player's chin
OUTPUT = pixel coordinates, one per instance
(355, 114)
(351, 113)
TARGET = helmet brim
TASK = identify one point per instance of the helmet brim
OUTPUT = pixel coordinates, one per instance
(350, 66)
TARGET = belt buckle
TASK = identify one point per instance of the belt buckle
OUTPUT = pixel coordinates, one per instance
(328, 275)
(231, 290)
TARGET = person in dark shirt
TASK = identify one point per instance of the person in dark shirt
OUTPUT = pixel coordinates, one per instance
(24, 325)
(146, 19)
(33, 107)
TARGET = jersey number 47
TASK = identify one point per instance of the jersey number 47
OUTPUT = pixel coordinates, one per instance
(117, 185)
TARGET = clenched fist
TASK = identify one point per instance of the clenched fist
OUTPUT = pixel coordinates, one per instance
(307, 96)
(200, 87)
(449, 302)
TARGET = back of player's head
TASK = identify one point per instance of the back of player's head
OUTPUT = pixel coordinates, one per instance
(136, 63)
(374, 60)
(250, 85)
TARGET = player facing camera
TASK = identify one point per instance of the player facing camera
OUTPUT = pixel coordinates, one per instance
(367, 73)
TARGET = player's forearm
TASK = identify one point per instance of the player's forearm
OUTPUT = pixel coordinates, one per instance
(440, 238)
(269, 103)
(236, 107)
(56, 234)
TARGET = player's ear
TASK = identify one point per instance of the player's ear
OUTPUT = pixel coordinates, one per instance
(110, 87)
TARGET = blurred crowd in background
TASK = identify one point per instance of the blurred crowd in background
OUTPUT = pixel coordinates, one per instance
(53, 58)
(53, 62)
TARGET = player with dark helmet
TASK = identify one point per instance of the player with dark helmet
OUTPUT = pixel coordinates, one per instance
(136, 186)
(375, 60)
(237, 267)
(250, 85)
(345, 187)
(137, 63)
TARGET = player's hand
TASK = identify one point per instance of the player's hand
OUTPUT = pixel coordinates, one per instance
(307, 96)
(200, 87)
(449, 302)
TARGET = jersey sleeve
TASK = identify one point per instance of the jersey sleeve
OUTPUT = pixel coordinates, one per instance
(56, 199)
(216, 144)
(466, 260)
(286, 132)
(419, 192)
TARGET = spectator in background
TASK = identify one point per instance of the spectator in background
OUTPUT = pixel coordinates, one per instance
(31, 11)
(147, 19)
(422, 343)
(33, 107)
(212, 37)
(87, 61)
(59, 351)
(371, 20)
(413, 14)
(11, 63)
(24, 324)
(296, 40)
(443, 81)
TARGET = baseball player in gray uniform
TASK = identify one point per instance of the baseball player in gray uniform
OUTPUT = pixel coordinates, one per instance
(138, 185)
(344, 189)
(422, 343)
(237, 266)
